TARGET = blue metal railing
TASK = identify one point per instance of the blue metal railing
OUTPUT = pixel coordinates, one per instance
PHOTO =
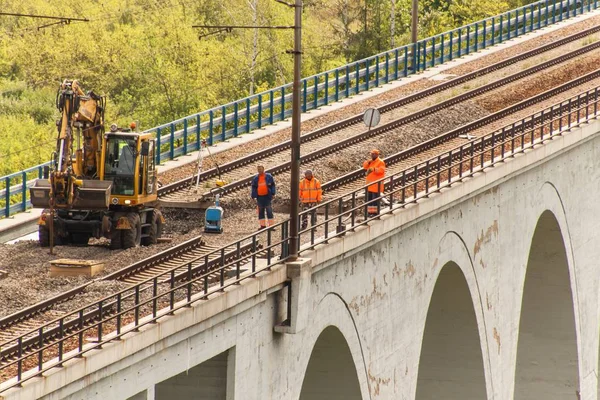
(218, 124)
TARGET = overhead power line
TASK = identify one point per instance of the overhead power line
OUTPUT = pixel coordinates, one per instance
(43, 17)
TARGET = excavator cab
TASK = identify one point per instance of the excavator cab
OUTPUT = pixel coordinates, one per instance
(128, 162)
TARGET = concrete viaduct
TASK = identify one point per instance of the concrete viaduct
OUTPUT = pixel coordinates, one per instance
(487, 290)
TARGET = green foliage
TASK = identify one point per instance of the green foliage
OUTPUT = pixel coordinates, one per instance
(145, 56)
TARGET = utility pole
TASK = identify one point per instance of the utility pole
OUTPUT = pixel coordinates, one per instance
(414, 32)
(295, 178)
(294, 243)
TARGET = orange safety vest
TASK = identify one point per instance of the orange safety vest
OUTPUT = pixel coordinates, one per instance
(378, 172)
(310, 191)
(262, 189)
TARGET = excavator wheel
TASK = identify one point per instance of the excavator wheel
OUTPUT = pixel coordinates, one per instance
(44, 236)
(155, 229)
(116, 239)
(132, 237)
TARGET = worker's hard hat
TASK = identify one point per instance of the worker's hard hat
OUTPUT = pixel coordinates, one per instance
(132, 125)
(375, 151)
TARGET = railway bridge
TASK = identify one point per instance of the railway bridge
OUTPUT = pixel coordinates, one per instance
(485, 288)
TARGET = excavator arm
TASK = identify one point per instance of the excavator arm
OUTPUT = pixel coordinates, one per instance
(73, 179)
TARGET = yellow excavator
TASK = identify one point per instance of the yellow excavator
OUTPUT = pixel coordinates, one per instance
(100, 184)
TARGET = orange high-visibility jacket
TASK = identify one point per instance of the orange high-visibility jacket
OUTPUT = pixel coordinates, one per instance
(378, 171)
(310, 191)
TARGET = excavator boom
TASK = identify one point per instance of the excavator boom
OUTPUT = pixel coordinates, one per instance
(73, 183)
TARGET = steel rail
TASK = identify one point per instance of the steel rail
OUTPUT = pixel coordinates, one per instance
(278, 169)
(357, 119)
(12, 321)
(455, 133)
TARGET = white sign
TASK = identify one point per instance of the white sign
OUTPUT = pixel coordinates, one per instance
(372, 117)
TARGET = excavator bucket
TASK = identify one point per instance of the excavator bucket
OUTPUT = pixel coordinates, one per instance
(91, 195)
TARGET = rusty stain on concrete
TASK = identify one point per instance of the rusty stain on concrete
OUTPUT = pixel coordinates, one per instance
(396, 271)
(376, 382)
(485, 237)
(482, 263)
(410, 269)
(497, 338)
(364, 301)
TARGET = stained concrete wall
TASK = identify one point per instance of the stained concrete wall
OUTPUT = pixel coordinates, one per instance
(377, 287)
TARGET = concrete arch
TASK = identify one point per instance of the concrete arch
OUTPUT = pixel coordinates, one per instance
(332, 323)
(547, 359)
(451, 364)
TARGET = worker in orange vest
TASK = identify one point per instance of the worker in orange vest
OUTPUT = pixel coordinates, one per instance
(311, 194)
(375, 168)
(263, 190)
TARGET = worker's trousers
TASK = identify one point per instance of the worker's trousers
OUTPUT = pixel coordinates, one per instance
(264, 205)
(313, 216)
(373, 206)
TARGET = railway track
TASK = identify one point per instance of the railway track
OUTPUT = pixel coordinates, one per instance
(179, 263)
(181, 192)
(431, 148)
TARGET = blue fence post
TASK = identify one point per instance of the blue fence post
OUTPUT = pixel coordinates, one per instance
(347, 81)
(476, 36)
(451, 49)
(560, 15)
(459, 42)
(40, 172)
(553, 11)
(516, 22)
(211, 137)
(7, 197)
(442, 50)
(367, 76)
(546, 12)
(247, 115)
(433, 51)
(24, 191)
(316, 93)
(484, 34)
(223, 123)
(387, 67)
(377, 71)
(508, 27)
(271, 106)
(396, 62)
(539, 21)
(235, 119)
(468, 39)
(185, 137)
(424, 54)
(282, 103)
(326, 87)
(172, 142)
(337, 85)
(158, 132)
(530, 18)
(259, 111)
(357, 71)
(414, 58)
(198, 138)
(304, 82)
(500, 37)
